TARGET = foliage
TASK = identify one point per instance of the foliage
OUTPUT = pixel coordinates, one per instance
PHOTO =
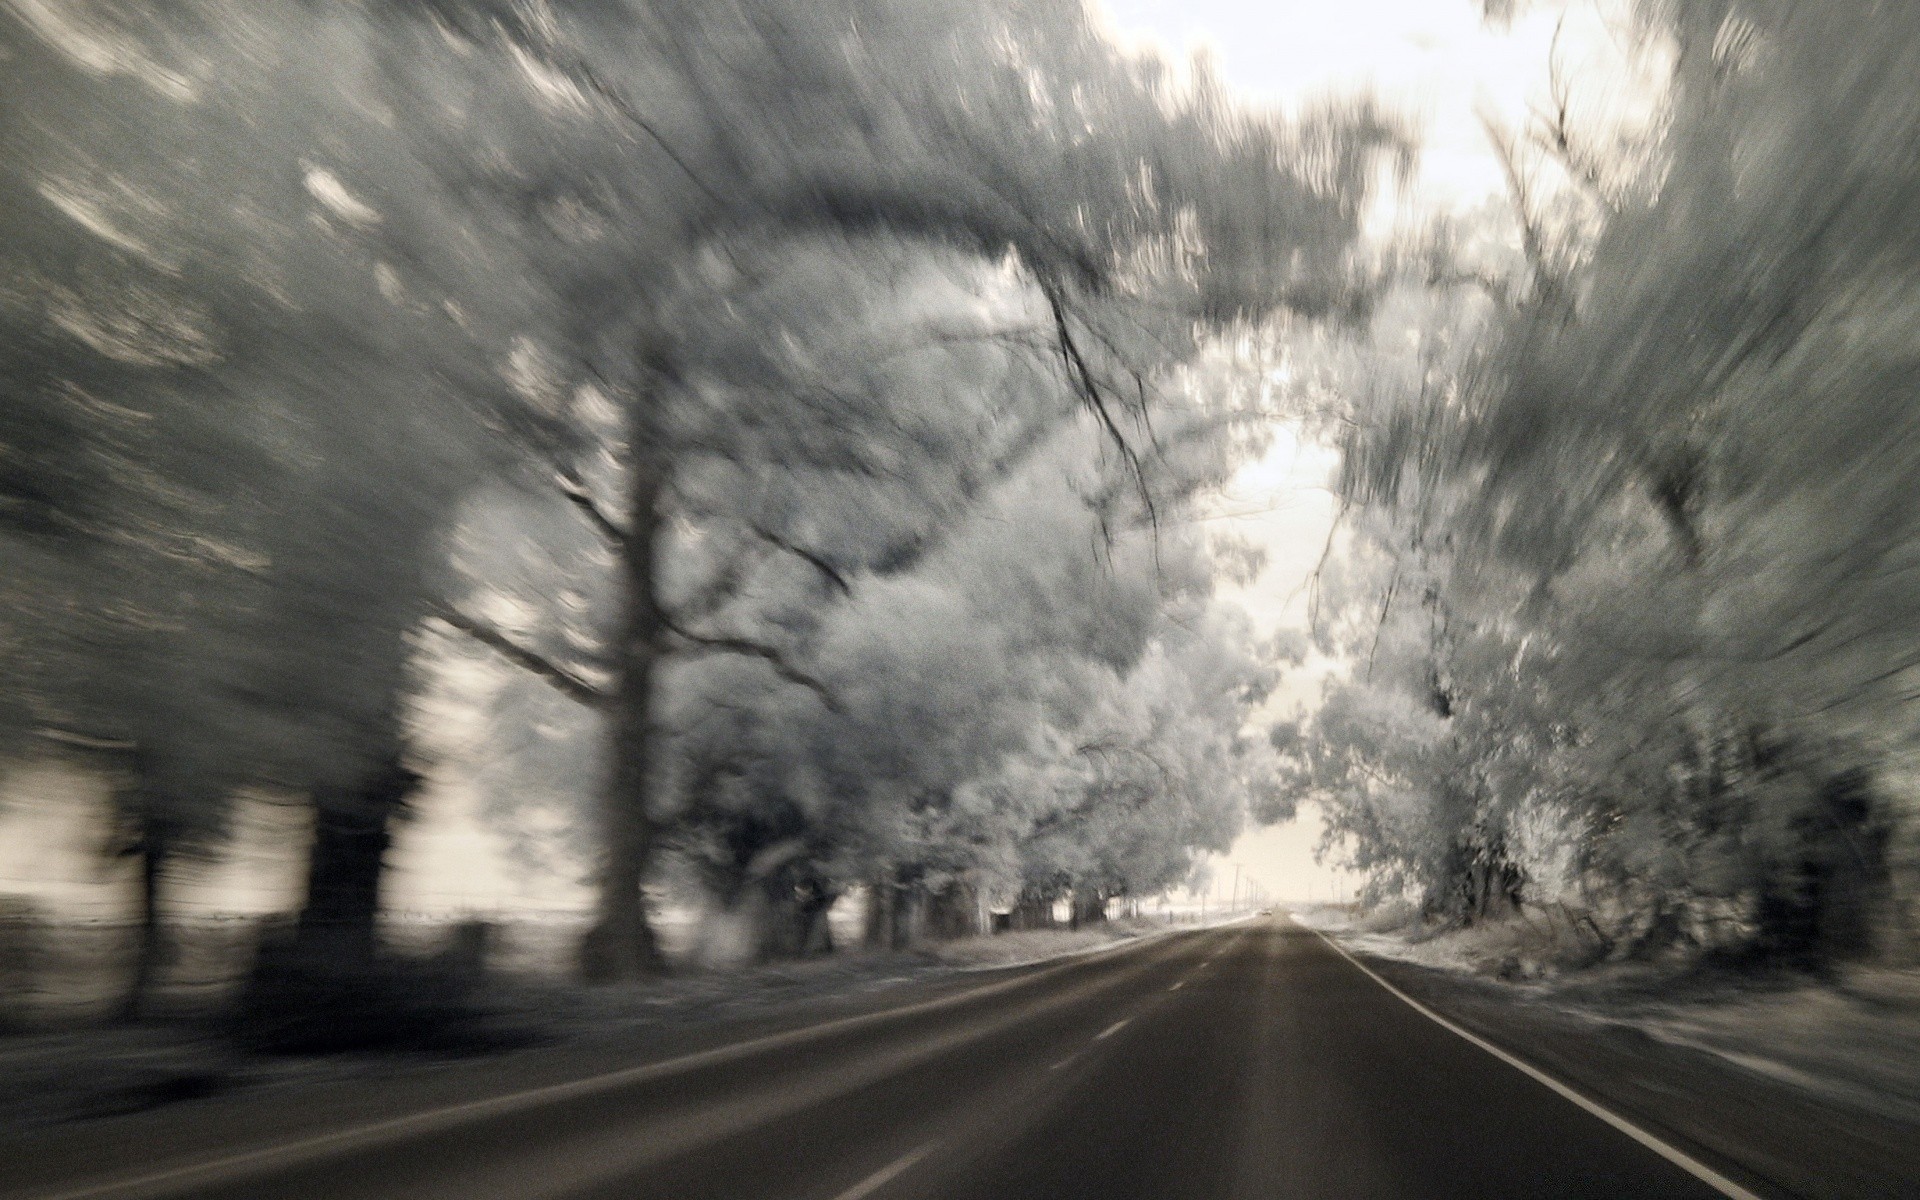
(1626, 597)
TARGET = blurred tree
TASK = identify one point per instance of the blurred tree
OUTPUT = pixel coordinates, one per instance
(1626, 594)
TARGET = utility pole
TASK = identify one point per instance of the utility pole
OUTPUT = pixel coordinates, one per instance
(1236, 888)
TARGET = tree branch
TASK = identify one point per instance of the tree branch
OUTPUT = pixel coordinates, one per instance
(1386, 606)
(565, 681)
(575, 490)
(573, 485)
(771, 655)
(1554, 131)
(807, 556)
(1546, 286)
(578, 71)
(1080, 374)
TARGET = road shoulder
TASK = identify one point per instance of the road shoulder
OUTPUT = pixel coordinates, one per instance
(1801, 1142)
(689, 1018)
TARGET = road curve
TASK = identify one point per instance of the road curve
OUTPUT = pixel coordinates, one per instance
(1228, 1064)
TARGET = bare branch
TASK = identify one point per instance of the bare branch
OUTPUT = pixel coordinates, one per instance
(1080, 373)
(807, 556)
(575, 490)
(565, 681)
(771, 655)
(578, 71)
(1386, 605)
(1530, 240)
(1146, 411)
(1554, 131)
(573, 484)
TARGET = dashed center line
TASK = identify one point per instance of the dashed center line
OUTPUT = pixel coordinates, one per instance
(1177, 985)
(1112, 1029)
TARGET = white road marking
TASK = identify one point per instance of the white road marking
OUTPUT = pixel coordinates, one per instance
(1112, 1029)
(1063, 1062)
(1177, 985)
(221, 1169)
(1673, 1154)
(885, 1175)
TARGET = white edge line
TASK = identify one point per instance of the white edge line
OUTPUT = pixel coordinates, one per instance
(1673, 1154)
(1112, 1029)
(885, 1175)
(291, 1153)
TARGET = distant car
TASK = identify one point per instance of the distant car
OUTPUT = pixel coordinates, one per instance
(1266, 912)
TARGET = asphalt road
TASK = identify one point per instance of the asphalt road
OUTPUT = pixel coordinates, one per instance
(1240, 1062)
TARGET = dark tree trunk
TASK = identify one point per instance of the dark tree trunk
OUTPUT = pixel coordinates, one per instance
(1089, 907)
(953, 912)
(877, 931)
(1032, 911)
(893, 911)
(621, 944)
(151, 945)
(323, 985)
(149, 812)
(338, 927)
(908, 910)
(816, 931)
(795, 919)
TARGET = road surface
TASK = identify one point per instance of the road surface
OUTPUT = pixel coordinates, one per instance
(1245, 1061)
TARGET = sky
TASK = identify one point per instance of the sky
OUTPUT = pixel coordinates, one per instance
(1436, 61)
(1439, 63)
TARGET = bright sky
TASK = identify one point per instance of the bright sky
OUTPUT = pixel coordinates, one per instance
(1439, 63)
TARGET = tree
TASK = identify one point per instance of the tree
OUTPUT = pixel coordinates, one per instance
(233, 429)
(473, 218)
(1013, 130)
(1611, 538)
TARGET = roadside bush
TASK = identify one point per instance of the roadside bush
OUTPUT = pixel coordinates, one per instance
(298, 1003)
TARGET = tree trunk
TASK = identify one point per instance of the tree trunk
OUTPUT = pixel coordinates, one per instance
(796, 925)
(621, 944)
(1032, 911)
(151, 945)
(1089, 906)
(953, 911)
(352, 830)
(893, 911)
(877, 931)
(149, 810)
(318, 985)
(816, 931)
(907, 909)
